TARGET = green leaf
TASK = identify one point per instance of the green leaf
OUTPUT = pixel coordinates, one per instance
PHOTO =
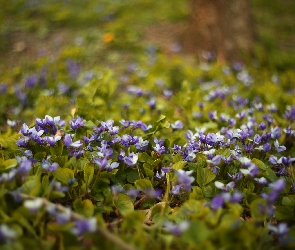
(89, 124)
(85, 207)
(11, 163)
(24, 223)
(148, 169)
(63, 175)
(197, 193)
(133, 219)
(119, 177)
(88, 173)
(270, 174)
(144, 157)
(32, 186)
(40, 156)
(124, 204)
(197, 232)
(57, 149)
(284, 213)
(201, 161)
(256, 211)
(132, 175)
(160, 211)
(289, 200)
(56, 195)
(204, 176)
(259, 164)
(179, 165)
(143, 184)
(209, 191)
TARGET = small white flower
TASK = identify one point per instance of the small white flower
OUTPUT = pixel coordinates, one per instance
(33, 205)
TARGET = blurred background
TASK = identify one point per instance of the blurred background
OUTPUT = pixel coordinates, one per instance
(110, 31)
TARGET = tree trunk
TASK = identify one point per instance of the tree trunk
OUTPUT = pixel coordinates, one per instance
(223, 27)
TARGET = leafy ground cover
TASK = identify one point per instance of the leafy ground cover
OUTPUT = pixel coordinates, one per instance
(141, 150)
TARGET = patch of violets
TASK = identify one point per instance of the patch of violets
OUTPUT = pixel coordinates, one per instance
(242, 134)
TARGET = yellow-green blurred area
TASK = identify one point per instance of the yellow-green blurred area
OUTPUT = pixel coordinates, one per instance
(55, 46)
(102, 30)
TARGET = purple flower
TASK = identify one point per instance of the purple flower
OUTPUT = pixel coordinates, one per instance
(223, 187)
(215, 160)
(3, 88)
(257, 139)
(51, 140)
(84, 226)
(103, 151)
(265, 147)
(31, 81)
(290, 113)
(134, 90)
(69, 142)
(63, 217)
(142, 144)
(278, 147)
(286, 160)
(133, 193)
(24, 167)
(152, 103)
(273, 160)
(125, 124)
(261, 181)
(47, 165)
(131, 159)
(110, 166)
(177, 125)
(168, 93)
(236, 197)
(251, 171)
(280, 230)
(262, 126)
(125, 140)
(211, 138)
(279, 185)
(213, 115)
(176, 229)
(73, 68)
(184, 181)
(153, 193)
(101, 162)
(8, 177)
(275, 133)
(160, 176)
(25, 130)
(56, 186)
(217, 202)
(7, 234)
(236, 177)
(77, 123)
(22, 142)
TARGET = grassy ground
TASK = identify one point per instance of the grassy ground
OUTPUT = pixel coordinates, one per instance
(118, 31)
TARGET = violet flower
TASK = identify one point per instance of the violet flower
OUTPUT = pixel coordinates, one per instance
(69, 142)
(176, 229)
(280, 230)
(131, 159)
(84, 226)
(47, 165)
(77, 123)
(177, 125)
(183, 182)
(6, 234)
